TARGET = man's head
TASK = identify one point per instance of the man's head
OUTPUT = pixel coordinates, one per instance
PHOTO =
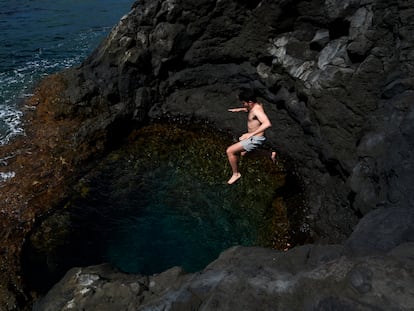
(247, 95)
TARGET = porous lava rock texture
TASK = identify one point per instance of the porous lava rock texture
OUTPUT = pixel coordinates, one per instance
(335, 77)
(305, 278)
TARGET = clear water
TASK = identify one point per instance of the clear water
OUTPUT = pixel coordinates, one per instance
(161, 201)
(179, 220)
(147, 217)
(143, 221)
(39, 37)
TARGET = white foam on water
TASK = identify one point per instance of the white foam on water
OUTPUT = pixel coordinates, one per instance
(10, 119)
(17, 84)
(6, 176)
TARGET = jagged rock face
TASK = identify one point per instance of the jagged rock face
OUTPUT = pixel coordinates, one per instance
(335, 78)
(305, 278)
(373, 270)
(336, 81)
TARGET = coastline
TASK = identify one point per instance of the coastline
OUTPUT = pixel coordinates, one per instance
(42, 166)
(46, 162)
(355, 160)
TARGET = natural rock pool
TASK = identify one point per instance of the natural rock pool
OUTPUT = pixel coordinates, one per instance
(159, 202)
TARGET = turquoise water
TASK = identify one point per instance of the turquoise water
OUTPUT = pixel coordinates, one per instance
(142, 221)
(161, 201)
(181, 221)
(146, 221)
(39, 37)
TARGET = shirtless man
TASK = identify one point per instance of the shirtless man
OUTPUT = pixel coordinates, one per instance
(257, 123)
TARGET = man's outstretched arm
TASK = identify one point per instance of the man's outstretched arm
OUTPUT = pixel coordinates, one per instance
(242, 109)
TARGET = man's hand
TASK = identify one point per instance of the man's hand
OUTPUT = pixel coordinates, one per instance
(245, 136)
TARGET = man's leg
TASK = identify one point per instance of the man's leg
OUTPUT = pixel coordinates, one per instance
(232, 155)
(263, 153)
(273, 155)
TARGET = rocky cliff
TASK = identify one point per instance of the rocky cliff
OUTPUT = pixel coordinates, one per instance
(336, 79)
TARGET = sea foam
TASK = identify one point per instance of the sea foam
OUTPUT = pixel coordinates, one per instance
(10, 123)
(7, 175)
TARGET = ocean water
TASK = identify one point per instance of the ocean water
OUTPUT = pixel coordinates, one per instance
(39, 37)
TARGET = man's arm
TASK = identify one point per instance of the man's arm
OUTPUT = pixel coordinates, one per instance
(263, 119)
(237, 109)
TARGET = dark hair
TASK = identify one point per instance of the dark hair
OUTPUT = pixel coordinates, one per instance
(247, 95)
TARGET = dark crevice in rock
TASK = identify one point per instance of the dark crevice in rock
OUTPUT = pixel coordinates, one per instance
(357, 57)
(288, 18)
(113, 97)
(250, 4)
(117, 130)
(335, 166)
(44, 276)
(20, 298)
(293, 192)
(302, 96)
(338, 28)
(315, 46)
(351, 199)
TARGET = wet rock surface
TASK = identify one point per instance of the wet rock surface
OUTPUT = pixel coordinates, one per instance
(154, 196)
(304, 278)
(335, 78)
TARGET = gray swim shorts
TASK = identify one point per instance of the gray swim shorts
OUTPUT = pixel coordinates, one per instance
(253, 142)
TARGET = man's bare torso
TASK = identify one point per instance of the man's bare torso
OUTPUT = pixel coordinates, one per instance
(252, 122)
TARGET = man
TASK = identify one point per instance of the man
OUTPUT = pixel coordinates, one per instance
(257, 123)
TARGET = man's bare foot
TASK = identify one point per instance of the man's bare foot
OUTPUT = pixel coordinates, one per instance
(234, 178)
(273, 156)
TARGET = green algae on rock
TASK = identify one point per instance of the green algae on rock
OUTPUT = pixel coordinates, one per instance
(162, 200)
